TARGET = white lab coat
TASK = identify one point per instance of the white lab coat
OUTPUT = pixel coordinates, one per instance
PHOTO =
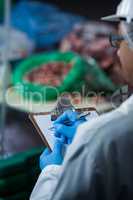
(46, 183)
(49, 177)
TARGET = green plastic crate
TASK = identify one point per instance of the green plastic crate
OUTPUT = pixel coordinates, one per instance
(19, 173)
(19, 162)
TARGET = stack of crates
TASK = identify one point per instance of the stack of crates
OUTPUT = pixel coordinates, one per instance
(18, 175)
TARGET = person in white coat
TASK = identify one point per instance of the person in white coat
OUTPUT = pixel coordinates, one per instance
(98, 164)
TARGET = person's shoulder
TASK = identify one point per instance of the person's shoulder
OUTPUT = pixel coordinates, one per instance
(117, 133)
(114, 127)
(100, 127)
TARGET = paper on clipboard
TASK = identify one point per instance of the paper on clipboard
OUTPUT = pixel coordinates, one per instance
(42, 123)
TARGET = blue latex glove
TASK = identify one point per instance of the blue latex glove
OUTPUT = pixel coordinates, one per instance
(68, 131)
(51, 158)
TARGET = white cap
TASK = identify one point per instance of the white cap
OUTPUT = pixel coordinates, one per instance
(124, 12)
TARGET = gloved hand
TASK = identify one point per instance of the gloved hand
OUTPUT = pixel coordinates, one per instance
(68, 131)
(52, 158)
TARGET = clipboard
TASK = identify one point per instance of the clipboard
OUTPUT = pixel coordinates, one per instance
(47, 138)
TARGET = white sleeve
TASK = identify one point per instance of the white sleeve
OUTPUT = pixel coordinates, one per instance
(46, 183)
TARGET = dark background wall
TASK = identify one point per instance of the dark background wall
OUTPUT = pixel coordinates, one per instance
(94, 9)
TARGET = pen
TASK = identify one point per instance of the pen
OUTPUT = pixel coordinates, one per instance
(68, 123)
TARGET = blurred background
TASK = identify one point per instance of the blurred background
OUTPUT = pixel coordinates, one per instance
(42, 44)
